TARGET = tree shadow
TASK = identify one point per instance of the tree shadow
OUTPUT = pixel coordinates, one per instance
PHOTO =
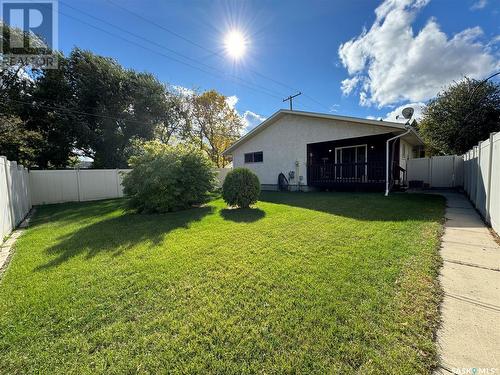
(242, 215)
(63, 213)
(364, 206)
(118, 234)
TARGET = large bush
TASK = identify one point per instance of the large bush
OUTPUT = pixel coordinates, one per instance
(241, 188)
(166, 178)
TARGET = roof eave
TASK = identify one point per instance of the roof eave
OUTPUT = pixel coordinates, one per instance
(274, 117)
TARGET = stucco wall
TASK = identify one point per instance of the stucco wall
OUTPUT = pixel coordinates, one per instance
(285, 142)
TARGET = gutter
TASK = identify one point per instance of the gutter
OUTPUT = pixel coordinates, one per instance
(387, 158)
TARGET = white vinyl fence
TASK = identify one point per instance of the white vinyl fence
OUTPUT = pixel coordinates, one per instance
(437, 171)
(15, 201)
(477, 171)
(482, 178)
(79, 185)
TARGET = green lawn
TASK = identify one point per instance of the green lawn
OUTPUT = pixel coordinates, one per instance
(304, 283)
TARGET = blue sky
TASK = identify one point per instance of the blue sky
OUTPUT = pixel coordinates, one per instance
(357, 58)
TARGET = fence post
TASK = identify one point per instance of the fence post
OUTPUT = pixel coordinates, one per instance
(453, 171)
(78, 184)
(429, 170)
(117, 180)
(9, 199)
(8, 178)
(488, 186)
(478, 175)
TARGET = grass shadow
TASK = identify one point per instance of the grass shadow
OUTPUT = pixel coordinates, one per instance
(364, 206)
(242, 215)
(117, 234)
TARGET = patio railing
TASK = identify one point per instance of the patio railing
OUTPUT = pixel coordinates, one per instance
(331, 173)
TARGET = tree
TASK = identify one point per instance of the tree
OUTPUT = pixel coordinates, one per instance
(118, 105)
(18, 143)
(461, 116)
(51, 115)
(174, 121)
(23, 137)
(215, 125)
(15, 79)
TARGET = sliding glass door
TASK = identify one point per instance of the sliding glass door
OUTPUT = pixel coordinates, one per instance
(352, 160)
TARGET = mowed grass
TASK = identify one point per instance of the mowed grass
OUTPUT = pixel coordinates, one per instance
(303, 283)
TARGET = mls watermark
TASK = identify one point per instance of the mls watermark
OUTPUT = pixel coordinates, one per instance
(33, 36)
(475, 370)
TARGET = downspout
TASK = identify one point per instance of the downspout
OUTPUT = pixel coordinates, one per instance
(387, 159)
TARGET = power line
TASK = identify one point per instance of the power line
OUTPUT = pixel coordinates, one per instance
(224, 74)
(162, 54)
(48, 106)
(151, 22)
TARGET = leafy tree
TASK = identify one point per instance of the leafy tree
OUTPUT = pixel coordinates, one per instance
(18, 143)
(461, 116)
(215, 125)
(50, 114)
(16, 79)
(174, 122)
(92, 106)
(119, 105)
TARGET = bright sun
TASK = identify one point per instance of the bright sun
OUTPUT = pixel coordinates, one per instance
(235, 44)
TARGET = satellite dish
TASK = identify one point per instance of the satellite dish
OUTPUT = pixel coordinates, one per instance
(407, 112)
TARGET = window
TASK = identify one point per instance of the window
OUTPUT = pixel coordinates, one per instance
(254, 157)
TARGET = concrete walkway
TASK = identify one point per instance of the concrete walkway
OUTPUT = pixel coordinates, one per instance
(7, 246)
(469, 337)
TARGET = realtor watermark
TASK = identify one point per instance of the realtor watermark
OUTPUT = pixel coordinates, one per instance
(33, 33)
(475, 370)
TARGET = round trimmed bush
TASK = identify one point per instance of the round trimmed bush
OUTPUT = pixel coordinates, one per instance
(168, 178)
(241, 188)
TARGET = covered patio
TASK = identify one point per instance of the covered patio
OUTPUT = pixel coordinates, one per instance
(357, 163)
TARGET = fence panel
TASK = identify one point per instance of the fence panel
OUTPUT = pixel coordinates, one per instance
(473, 175)
(494, 198)
(437, 171)
(5, 209)
(466, 172)
(418, 170)
(442, 171)
(53, 186)
(97, 184)
(458, 167)
(482, 182)
(15, 200)
(58, 186)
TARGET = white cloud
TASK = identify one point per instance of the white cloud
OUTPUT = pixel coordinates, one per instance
(251, 120)
(349, 84)
(417, 114)
(480, 4)
(390, 62)
(231, 101)
(181, 90)
(334, 108)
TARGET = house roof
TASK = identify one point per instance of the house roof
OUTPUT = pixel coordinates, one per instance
(413, 137)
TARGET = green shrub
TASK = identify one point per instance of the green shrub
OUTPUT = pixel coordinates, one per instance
(167, 178)
(241, 188)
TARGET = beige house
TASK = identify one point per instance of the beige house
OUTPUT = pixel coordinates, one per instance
(316, 150)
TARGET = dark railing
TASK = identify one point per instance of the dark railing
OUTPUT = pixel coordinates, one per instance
(331, 173)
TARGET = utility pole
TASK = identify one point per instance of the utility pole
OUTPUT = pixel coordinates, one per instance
(290, 99)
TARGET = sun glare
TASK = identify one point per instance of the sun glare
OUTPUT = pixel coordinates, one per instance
(235, 44)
